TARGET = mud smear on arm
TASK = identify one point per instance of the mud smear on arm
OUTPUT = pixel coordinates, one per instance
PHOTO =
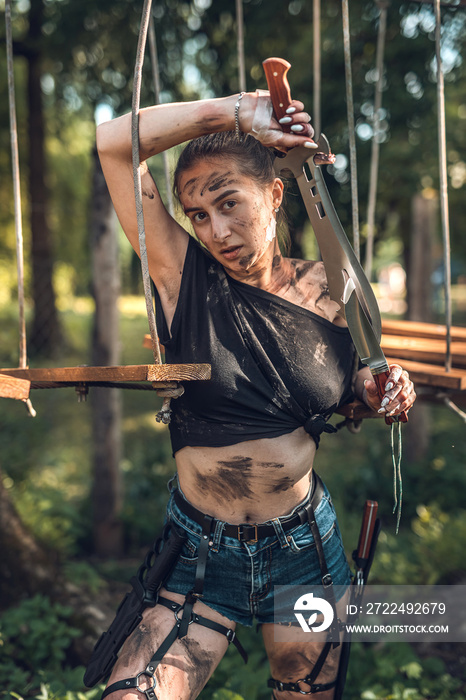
(209, 124)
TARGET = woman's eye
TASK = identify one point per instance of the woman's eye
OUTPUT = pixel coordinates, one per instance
(200, 216)
(229, 204)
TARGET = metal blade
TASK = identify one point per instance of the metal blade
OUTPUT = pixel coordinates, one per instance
(364, 339)
(336, 251)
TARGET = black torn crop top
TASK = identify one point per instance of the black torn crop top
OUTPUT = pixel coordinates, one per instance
(275, 365)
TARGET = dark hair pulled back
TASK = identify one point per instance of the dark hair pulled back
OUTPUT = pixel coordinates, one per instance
(251, 158)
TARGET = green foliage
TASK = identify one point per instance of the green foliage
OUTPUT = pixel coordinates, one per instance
(84, 575)
(35, 638)
(33, 635)
(395, 672)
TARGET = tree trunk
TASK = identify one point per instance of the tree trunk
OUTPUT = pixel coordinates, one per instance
(106, 403)
(424, 217)
(26, 568)
(420, 298)
(45, 337)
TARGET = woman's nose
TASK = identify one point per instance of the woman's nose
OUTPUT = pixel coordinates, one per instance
(220, 230)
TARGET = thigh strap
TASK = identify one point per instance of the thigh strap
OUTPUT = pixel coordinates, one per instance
(188, 616)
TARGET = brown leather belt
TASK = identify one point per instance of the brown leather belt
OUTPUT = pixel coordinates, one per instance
(251, 533)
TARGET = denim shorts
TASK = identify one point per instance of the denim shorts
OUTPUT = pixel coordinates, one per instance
(240, 576)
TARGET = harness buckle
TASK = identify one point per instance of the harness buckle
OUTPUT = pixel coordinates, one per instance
(327, 580)
(179, 620)
(242, 536)
(230, 635)
(148, 691)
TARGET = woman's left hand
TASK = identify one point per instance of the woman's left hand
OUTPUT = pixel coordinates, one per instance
(399, 393)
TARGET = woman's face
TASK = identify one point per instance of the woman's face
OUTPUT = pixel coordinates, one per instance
(229, 212)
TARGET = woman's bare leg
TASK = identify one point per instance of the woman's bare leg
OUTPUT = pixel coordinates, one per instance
(188, 664)
(295, 655)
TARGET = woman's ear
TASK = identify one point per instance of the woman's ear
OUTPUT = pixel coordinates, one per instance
(277, 192)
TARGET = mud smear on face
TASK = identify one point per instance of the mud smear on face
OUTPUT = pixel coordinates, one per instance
(245, 261)
(240, 222)
(215, 181)
(191, 184)
(221, 181)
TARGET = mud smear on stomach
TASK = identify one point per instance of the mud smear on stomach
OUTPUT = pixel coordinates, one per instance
(241, 478)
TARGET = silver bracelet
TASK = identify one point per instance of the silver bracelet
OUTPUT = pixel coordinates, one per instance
(237, 129)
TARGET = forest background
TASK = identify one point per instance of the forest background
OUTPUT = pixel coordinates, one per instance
(69, 545)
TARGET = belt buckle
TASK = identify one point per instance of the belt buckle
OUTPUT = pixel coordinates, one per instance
(240, 534)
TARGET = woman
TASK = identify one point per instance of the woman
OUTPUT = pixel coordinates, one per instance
(244, 442)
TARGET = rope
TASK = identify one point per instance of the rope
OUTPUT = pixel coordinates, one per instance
(351, 128)
(456, 409)
(397, 480)
(240, 46)
(164, 414)
(137, 178)
(156, 80)
(16, 187)
(374, 168)
(442, 146)
(16, 197)
(316, 88)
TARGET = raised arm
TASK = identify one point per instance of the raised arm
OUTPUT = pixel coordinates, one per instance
(160, 128)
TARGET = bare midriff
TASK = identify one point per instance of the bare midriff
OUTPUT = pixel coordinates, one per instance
(250, 482)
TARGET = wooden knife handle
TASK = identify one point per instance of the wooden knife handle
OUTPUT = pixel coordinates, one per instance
(275, 71)
(367, 529)
(381, 379)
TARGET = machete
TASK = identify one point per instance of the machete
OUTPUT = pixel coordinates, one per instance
(348, 285)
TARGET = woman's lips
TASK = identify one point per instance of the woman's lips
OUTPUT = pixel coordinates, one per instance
(232, 252)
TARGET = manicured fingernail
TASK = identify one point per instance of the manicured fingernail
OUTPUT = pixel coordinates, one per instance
(310, 144)
(291, 110)
(381, 410)
(297, 127)
(285, 120)
(388, 386)
(385, 401)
